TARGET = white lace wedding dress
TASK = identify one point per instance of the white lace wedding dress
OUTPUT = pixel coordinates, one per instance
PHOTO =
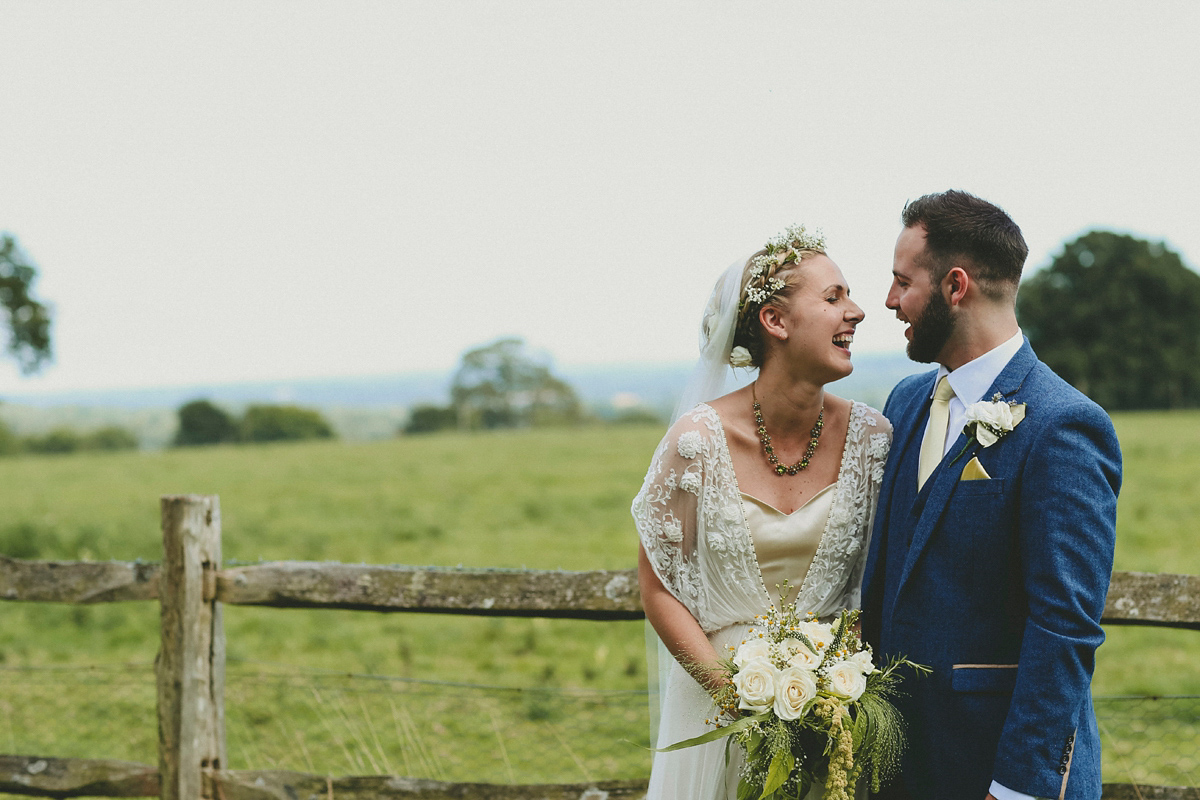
(693, 524)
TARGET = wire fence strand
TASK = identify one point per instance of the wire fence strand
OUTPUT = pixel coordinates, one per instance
(315, 721)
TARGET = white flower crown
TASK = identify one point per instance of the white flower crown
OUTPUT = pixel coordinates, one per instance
(786, 247)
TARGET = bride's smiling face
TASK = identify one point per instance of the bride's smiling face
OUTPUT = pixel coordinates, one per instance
(817, 322)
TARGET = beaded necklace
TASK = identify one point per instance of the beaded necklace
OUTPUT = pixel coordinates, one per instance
(765, 438)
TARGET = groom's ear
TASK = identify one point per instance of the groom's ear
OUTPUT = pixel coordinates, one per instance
(955, 285)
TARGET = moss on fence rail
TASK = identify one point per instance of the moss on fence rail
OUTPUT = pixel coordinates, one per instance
(1135, 598)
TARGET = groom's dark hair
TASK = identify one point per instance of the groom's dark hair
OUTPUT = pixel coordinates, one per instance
(960, 225)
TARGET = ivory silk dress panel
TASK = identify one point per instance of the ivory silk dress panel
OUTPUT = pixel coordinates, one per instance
(720, 553)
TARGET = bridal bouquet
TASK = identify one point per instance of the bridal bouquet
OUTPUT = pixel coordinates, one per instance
(806, 701)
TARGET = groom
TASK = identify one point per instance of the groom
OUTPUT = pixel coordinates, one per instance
(992, 547)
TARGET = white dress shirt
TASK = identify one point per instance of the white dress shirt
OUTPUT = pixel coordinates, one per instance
(970, 382)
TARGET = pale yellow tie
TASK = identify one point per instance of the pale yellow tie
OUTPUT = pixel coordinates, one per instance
(934, 444)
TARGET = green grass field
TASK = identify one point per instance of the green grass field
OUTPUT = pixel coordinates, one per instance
(78, 681)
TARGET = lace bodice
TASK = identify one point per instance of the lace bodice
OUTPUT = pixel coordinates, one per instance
(692, 525)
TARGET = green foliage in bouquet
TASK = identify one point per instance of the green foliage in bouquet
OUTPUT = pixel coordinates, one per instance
(806, 702)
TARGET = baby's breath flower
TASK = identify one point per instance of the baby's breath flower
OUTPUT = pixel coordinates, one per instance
(762, 283)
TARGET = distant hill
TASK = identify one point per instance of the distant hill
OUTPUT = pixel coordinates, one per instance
(657, 386)
(373, 407)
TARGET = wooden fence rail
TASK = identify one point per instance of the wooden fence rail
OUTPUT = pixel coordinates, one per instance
(191, 586)
(1134, 598)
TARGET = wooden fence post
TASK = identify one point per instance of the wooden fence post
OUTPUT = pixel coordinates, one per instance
(191, 658)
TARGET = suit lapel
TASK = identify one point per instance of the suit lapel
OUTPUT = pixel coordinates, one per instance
(907, 418)
(915, 417)
(936, 492)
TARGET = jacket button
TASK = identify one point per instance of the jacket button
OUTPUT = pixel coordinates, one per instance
(1062, 770)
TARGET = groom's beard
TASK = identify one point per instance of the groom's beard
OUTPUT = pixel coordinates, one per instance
(931, 330)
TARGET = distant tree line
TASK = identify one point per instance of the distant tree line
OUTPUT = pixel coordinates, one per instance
(64, 440)
(202, 422)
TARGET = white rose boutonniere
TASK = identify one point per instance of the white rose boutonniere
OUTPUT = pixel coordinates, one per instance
(989, 421)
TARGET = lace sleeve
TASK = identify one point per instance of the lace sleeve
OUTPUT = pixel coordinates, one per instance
(877, 444)
(665, 510)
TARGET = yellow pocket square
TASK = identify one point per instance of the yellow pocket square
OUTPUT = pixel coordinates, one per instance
(974, 471)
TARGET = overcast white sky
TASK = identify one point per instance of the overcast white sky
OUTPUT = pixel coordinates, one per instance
(269, 190)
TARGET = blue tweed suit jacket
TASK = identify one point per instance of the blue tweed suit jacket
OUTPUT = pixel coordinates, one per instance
(998, 585)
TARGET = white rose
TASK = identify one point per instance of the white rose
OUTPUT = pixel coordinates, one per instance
(689, 444)
(690, 482)
(818, 633)
(752, 650)
(794, 687)
(863, 659)
(990, 418)
(789, 646)
(800, 655)
(755, 684)
(846, 679)
(740, 357)
(985, 435)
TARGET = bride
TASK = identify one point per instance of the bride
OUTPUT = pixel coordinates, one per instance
(773, 483)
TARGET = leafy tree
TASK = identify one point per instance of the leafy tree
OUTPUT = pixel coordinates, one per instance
(269, 423)
(28, 319)
(1119, 318)
(502, 385)
(430, 418)
(201, 422)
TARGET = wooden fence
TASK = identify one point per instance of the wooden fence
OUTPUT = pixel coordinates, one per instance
(191, 586)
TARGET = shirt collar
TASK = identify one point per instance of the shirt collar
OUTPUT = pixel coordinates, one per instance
(973, 379)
